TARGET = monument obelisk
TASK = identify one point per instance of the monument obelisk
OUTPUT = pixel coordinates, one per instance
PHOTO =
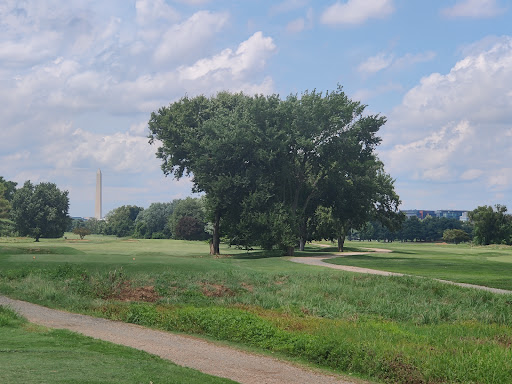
(97, 209)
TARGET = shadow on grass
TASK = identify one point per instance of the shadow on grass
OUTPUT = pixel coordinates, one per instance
(253, 255)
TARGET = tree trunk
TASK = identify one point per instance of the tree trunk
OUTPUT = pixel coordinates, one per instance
(341, 242)
(290, 251)
(215, 243)
(302, 243)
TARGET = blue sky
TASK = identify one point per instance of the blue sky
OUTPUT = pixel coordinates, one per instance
(79, 79)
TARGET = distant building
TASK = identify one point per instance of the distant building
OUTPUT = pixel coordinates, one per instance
(449, 214)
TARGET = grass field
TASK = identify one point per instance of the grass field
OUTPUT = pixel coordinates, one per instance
(34, 354)
(489, 266)
(388, 329)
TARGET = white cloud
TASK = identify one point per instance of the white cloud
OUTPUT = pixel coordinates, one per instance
(187, 41)
(375, 63)
(429, 158)
(250, 56)
(353, 12)
(150, 11)
(471, 174)
(455, 127)
(476, 9)
(476, 89)
(296, 25)
(384, 60)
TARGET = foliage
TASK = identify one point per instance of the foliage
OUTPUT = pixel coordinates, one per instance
(191, 228)
(9, 188)
(121, 221)
(6, 226)
(492, 226)
(153, 222)
(455, 236)
(96, 226)
(266, 164)
(82, 232)
(40, 211)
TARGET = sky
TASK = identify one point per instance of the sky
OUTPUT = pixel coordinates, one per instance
(80, 78)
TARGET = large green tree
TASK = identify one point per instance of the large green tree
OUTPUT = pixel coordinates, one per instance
(40, 210)
(263, 162)
(217, 141)
(491, 225)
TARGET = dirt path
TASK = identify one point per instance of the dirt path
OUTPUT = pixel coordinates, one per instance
(319, 261)
(187, 351)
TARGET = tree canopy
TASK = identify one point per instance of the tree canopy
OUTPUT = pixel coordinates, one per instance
(121, 221)
(267, 164)
(40, 210)
(492, 225)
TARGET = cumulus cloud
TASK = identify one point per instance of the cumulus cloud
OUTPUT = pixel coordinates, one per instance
(78, 83)
(476, 9)
(353, 12)
(452, 126)
(187, 40)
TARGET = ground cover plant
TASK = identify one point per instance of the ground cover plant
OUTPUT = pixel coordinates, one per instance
(489, 266)
(34, 354)
(389, 329)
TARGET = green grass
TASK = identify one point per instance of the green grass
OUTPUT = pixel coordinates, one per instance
(490, 266)
(390, 329)
(34, 354)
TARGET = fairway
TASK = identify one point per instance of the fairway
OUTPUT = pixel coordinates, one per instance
(490, 266)
(385, 329)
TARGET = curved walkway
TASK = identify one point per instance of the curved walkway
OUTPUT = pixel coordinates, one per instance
(207, 357)
(319, 261)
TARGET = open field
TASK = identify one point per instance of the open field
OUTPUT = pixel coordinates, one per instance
(34, 354)
(490, 266)
(388, 329)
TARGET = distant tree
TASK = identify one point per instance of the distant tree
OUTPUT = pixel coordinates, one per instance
(154, 221)
(455, 236)
(188, 207)
(121, 221)
(97, 227)
(9, 188)
(40, 211)
(6, 225)
(82, 232)
(5, 206)
(491, 226)
(189, 228)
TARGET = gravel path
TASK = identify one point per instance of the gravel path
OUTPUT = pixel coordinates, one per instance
(319, 261)
(187, 351)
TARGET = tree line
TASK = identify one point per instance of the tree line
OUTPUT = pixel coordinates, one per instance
(181, 219)
(42, 211)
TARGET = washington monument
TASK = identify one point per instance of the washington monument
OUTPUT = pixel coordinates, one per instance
(97, 210)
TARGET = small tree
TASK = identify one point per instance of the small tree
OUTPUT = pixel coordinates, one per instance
(40, 211)
(455, 236)
(82, 232)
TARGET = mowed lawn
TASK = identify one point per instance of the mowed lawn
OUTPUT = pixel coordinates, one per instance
(34, 354)
(385, 329)
(490, 266)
